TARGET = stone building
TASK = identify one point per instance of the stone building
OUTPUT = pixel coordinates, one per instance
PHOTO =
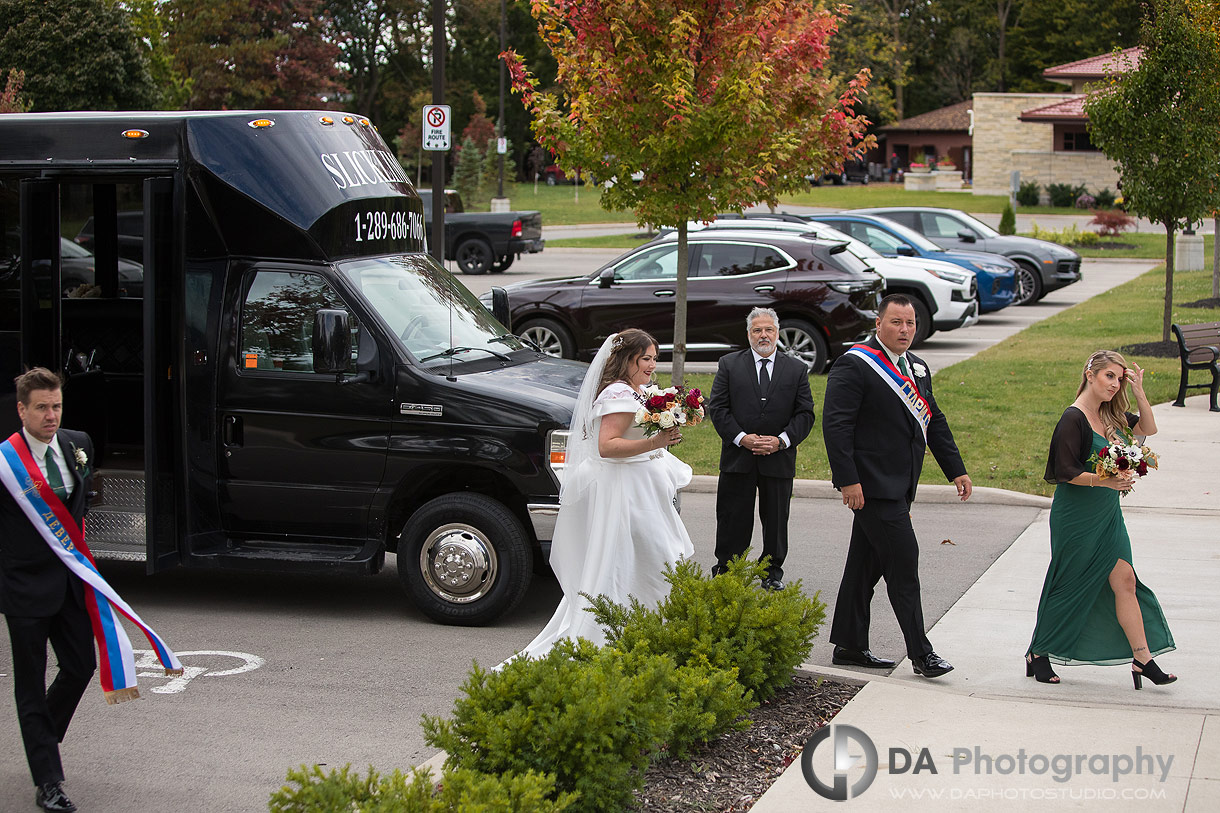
(1044, 136)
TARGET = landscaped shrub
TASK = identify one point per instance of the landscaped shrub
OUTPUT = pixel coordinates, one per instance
(588, 715)
(1112, 222)
(1008, 220)
(343, 791)
(728, 619)
(1069, 236)
(1064, 194)
(1085, 201)
(708, 701)
(1029, 193)
(1105, 199)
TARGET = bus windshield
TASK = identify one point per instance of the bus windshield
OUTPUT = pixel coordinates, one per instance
(435, 318)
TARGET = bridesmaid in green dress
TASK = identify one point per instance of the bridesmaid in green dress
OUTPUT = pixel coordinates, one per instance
(1093, 608)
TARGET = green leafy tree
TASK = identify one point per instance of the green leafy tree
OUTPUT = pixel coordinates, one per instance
(1159, 124)
(719, 103)
(253, 53)
(1207, 14)
(1055, 32)
(76, 55)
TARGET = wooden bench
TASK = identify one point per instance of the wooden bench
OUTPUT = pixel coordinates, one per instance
(1199, 348)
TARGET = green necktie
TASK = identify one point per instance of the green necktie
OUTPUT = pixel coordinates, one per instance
(902, 366)
(54, 479)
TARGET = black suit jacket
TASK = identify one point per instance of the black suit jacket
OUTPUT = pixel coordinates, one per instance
(873, 439)
(735, 405)
(33, 581)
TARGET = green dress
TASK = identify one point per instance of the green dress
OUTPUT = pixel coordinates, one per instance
(1077, 622)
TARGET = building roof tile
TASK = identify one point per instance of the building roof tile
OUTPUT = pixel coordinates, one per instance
(952, 118)
(1095, 67)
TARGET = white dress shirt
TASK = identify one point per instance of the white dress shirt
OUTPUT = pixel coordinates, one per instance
(39, 450)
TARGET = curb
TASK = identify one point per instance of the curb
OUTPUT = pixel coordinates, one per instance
(939, 494)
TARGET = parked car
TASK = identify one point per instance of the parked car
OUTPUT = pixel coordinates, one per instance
(826, 297)
(852, 171)
(484, 241)
(1042, 266)
(945, 295)
(996, 274)
(131, 236)
(77, 268)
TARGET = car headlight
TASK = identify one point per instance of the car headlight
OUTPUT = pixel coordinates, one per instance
(992, 268)
(956, 277)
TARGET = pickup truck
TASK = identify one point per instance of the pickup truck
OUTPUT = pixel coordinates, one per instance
(484, 241)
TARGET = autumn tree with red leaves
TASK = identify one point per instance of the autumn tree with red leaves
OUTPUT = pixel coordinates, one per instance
(720, 103)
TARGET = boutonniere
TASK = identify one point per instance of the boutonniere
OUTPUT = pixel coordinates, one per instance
(82, 459)
(920, 370)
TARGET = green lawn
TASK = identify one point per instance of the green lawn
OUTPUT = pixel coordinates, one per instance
(1003, 403)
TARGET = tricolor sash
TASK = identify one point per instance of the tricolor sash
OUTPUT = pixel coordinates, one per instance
(903, 387)
(55, 524)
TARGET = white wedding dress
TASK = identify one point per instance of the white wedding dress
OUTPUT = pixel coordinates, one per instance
(617, 528)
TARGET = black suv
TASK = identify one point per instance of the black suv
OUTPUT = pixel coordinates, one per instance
(826, 297)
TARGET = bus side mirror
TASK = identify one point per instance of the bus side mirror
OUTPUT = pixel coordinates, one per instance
(332, 341)
(499, 307)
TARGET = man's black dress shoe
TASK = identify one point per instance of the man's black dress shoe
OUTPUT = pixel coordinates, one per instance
(772, 584)
(719, 570)
(931, 665)
(51, 796)
(854, 657)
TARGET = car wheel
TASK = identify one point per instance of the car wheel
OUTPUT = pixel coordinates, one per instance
(550, 180)
(923, 321)
(474, 256)
(501, 265)
(864, 180)
(465, 559)
(805, 343)
(550, 337)
(1029, 284)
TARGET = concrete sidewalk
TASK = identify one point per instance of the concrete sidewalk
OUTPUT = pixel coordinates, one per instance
(997, 739)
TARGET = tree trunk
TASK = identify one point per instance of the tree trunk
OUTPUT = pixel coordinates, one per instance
(679, 354)
(1168, 316)
(1216, 257)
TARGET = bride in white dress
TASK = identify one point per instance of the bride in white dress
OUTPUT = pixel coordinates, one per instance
(618, 525)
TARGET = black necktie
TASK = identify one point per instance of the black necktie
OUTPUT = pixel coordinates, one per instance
(764, 377)
(54, 478)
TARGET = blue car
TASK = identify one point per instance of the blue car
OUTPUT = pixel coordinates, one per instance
(996, 274)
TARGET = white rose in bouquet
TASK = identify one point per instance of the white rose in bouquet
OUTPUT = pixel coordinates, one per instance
(666, 420)
(641, 415)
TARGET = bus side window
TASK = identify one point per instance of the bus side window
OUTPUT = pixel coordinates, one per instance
(277, 321)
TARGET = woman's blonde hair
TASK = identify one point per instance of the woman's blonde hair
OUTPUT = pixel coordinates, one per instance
(1112, 412)
(628, 346)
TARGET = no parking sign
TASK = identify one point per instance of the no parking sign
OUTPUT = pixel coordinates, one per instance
(436, 127)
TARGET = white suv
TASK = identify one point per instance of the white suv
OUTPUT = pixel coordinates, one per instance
(945, 295)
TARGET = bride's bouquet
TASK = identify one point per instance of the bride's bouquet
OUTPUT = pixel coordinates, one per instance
(667, 408)
(1123, 458)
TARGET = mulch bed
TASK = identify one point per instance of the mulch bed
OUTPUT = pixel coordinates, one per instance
(1107, 245)
(731, 772)
(1160, 350)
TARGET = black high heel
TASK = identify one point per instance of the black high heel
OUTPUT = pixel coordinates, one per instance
(1151, 671)
(1039, 668)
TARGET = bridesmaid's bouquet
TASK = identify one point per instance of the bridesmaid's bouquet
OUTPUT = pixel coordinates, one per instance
(1122, 458)
(667, 408)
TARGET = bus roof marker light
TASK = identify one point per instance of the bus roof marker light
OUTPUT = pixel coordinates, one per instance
(135, 133)
(349, 119)
(365, 122)
(327, 120)
(260, 124)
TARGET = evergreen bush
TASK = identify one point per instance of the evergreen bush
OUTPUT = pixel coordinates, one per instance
(588, 715)
(1064, 195)
(460, 791)
(729, 620)
(1029, 193)
(1008, 220)
(1105, 199)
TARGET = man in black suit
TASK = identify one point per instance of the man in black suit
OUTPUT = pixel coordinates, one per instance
(879, 407)
(40, 598)
(762, 408)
